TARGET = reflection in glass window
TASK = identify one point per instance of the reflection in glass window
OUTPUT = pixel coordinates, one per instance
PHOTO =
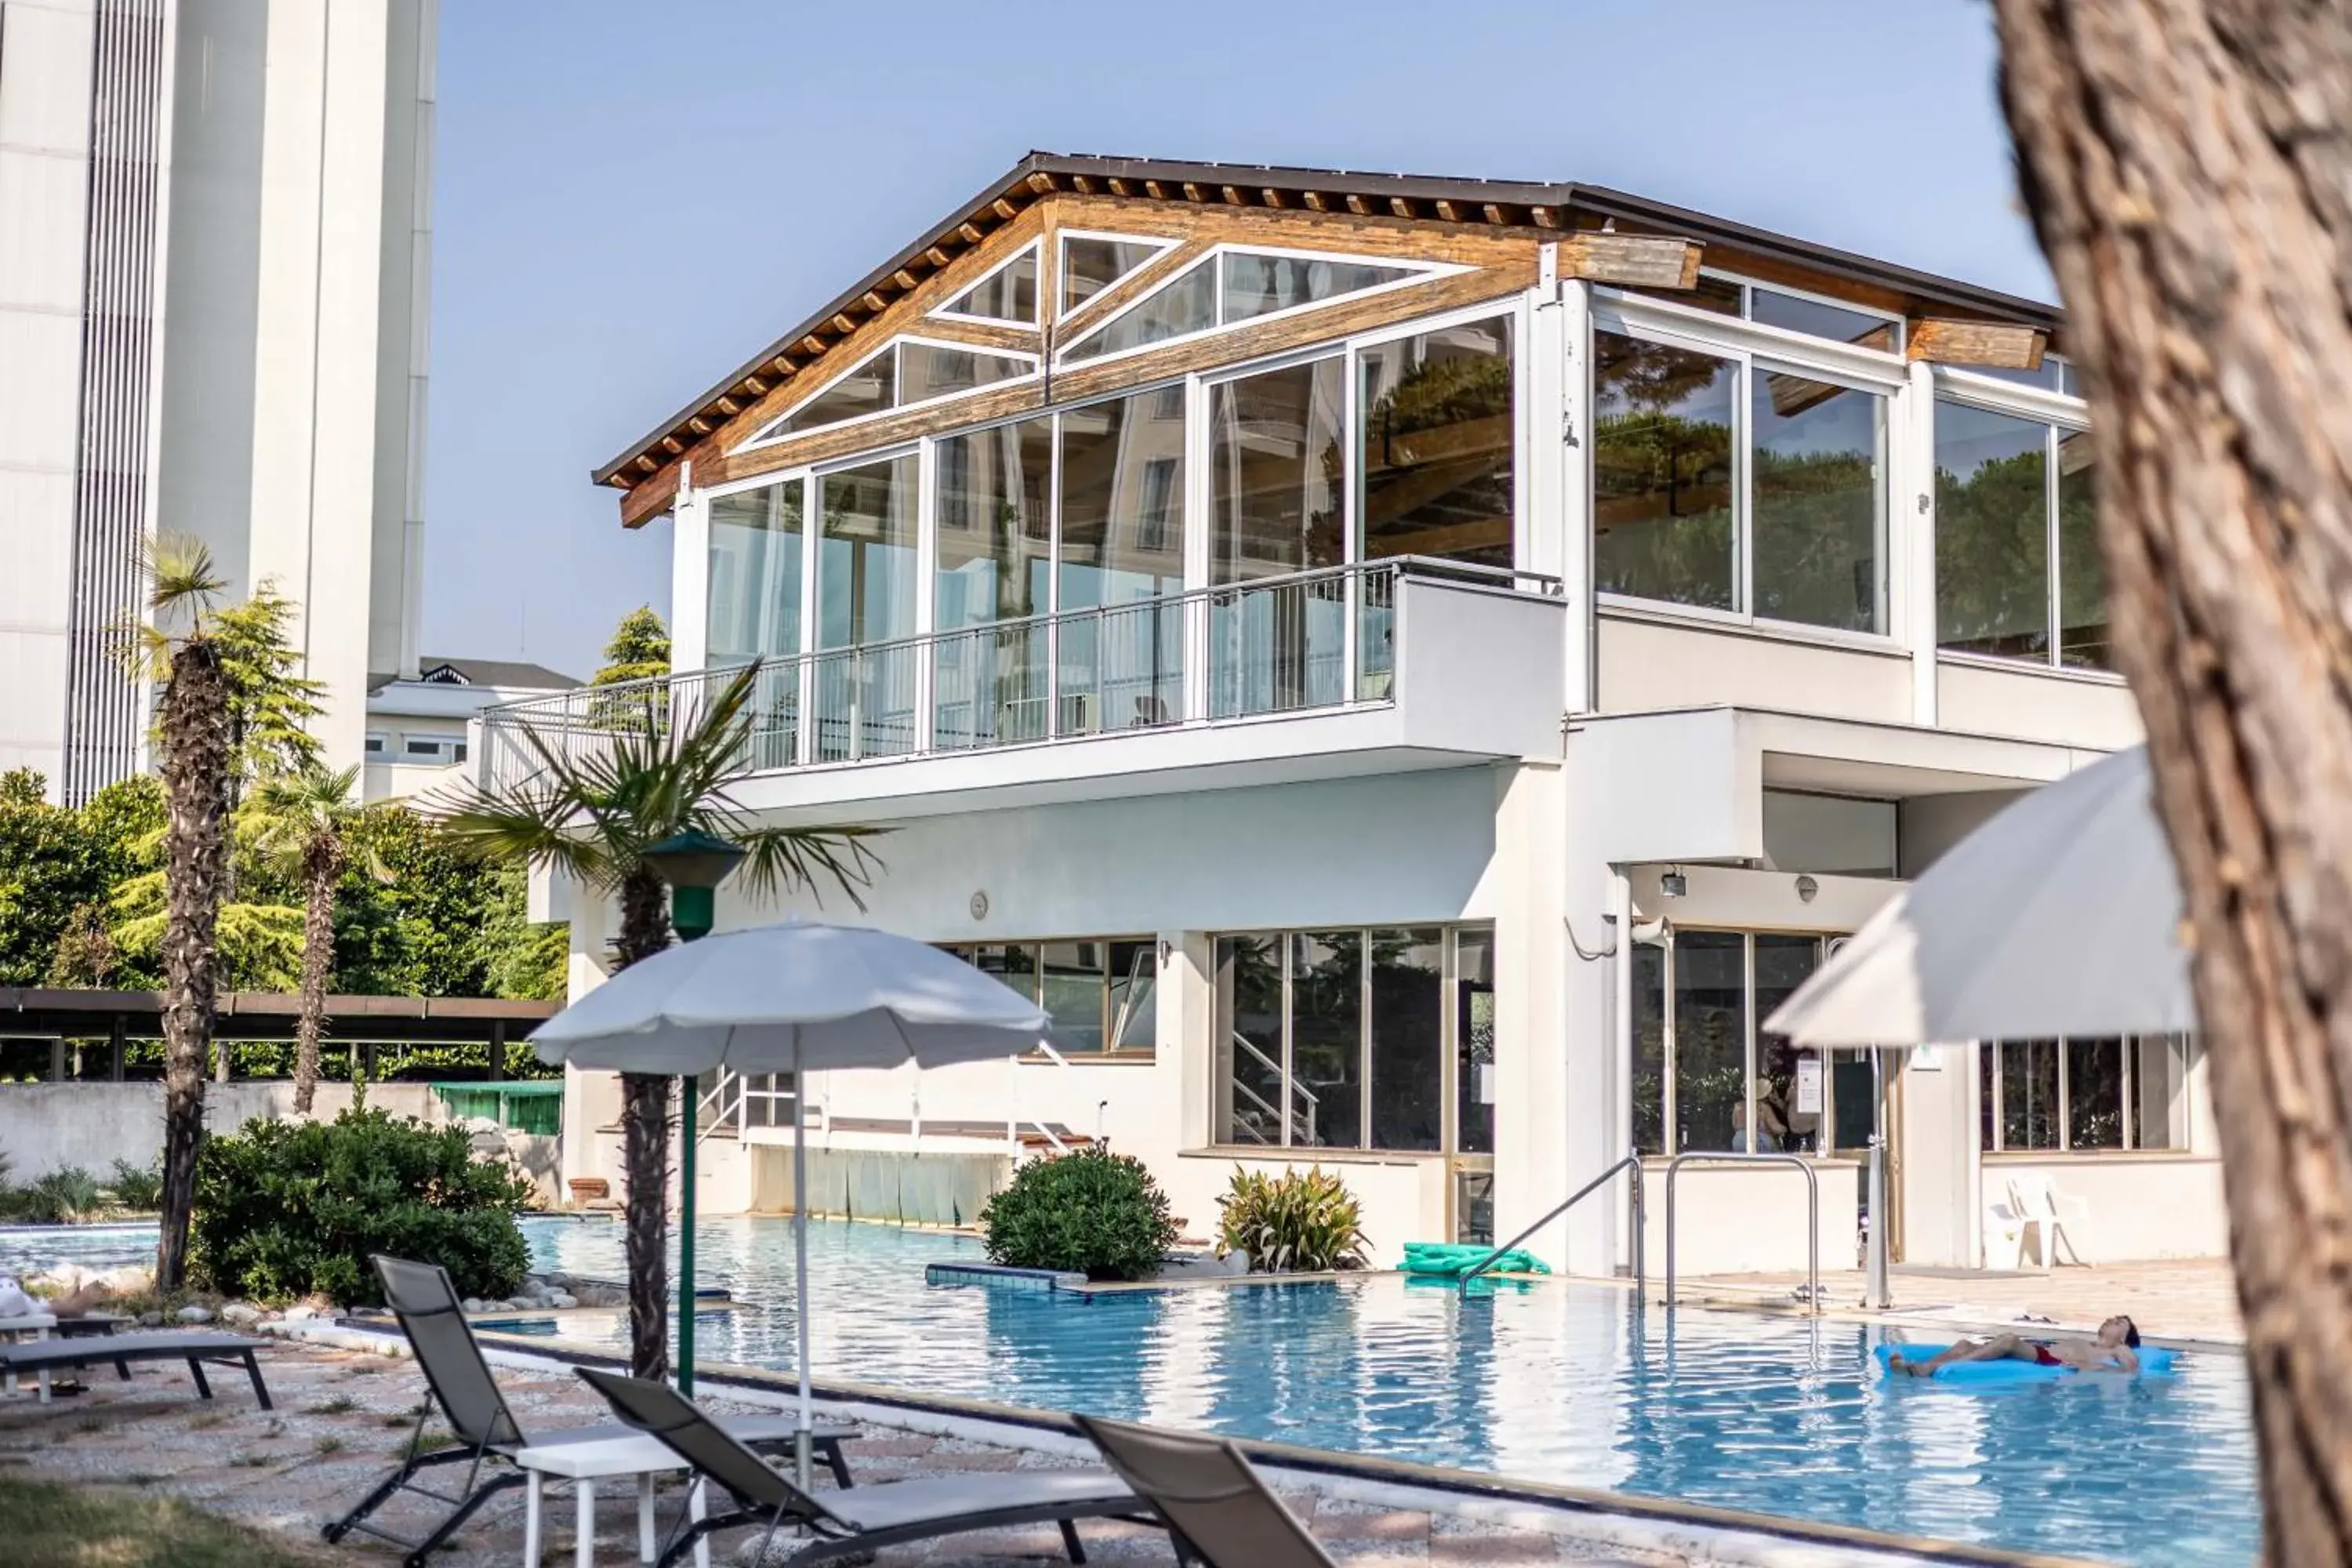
(1710, 1041)
(1663, 472)
(1123, 500)
(1089, 265)
(1008, 294)
(2029, 1094)
(1258, 283)
(1992, 532)
(928, 370)
(1276, 465)
(1326, 1041)
(1074, 987)
(1784, 1124)
(869, 389)
(1649, 1048)
(1817, 318)
(1187, 305)
(755, 574)
(1407, 1039)
(2085, 1095)
(1133, 997)
(2082, 573)
(996, 526)
(865, 558)
(1473, 1041)
(1433, 448)
(1819, 511)
(1250, 1079)
(2094, 1094)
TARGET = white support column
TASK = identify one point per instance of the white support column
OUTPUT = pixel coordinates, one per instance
(689, 575)
(1575, 444)
(1539, 537)
(1534, 1157)
(1187, 1002)
(926, 576)
(1913, 491)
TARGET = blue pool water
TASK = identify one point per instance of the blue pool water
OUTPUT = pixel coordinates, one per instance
(1554, 1382)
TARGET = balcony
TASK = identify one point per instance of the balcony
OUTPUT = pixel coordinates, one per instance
(1373, 668)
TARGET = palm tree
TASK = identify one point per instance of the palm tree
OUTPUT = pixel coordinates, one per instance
(179, 647)
(303, 819)
(652, 769)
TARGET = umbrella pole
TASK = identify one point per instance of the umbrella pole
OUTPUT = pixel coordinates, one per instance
(686, 1088)
(799, 1256)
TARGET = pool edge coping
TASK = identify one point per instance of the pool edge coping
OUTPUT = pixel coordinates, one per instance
(1758, 1539)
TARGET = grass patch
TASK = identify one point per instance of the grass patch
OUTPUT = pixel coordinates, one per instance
(84, 1527)
(434, 1442)
(329, 1445)
(340, 1405)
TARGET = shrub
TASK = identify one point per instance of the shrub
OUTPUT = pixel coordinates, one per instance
(1093, 1212)
(288, 1208)
(134, 1188)
(1301, 1221)
(61, 1197)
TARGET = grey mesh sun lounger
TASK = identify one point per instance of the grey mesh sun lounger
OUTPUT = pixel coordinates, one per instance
(852, 1523)
(1218, 1508)
(45, 1356)
(426, 1304)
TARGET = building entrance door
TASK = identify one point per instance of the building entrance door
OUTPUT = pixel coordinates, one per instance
(1470, 1120)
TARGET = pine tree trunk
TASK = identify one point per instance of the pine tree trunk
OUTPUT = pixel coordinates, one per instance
(645, 1159)
(322, 864)
(2188, 166)
(194, 726)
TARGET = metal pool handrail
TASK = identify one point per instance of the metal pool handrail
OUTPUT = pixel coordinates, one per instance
(1812, 1213)
(1641, 1279)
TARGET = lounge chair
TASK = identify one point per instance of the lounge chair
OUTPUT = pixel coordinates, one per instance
(1216, 1507)
(852, 1523)
(430, 1314)
(45, 1356)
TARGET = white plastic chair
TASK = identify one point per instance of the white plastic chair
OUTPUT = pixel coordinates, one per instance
(2053, 1218)
(2004, 1239)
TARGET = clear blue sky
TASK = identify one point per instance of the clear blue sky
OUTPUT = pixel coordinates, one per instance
(630, 199)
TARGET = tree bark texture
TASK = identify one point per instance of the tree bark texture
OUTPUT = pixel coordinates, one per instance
(193, 727)
(2187, 165)
(322, 864)
(645, 1154)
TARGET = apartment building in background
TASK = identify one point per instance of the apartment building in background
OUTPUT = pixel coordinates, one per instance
(215, 251)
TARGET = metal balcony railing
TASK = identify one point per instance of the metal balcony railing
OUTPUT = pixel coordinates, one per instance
(1294, 643)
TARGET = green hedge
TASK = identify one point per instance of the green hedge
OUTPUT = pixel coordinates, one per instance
(288, 1208)
(1093, 1213)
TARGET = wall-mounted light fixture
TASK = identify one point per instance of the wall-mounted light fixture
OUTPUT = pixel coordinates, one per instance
(1674, 884)
(1806, 888)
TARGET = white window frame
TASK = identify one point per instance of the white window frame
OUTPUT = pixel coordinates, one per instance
(1161, 245)
(1743, 343)
(1213, 258)
(2060, 415)
(949, 312)
(769, 435)
(2134, 1140)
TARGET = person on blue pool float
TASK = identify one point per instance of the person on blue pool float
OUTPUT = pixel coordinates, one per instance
(2112, 1350)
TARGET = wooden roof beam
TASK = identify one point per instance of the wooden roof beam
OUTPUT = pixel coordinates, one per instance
(1155, 190)
(972, 233)
(873, 301)
(1193, 193)
(1005, 209)
(937, 256)
(1119, 187)
(1082, 184)
(844, 325)
(1233, 196)
(1317, 202)
(905, 280)
(1402, 207)
(1043, 183)
(1271, 198)
(1543, 217)
(1640, 260)
(1359, 206)
(1449, 212)
(1497, 214)
(1997, 345)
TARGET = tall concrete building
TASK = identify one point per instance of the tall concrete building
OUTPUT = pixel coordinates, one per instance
(214, 250)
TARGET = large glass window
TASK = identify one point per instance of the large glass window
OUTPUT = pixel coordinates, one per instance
(1788, 1082)
(1258, 282)
(995, 555)
(1239, 286)
(1097, 992)
(1187, 305)
(1663, 472)
(929, 370)
(1356, 1039)
(2017, 572)
(1435, 441)
(755, 574)
(1819, 501)
(1007, 294)
(868, 389)
(1122, 550)
(866, 557)
(2079, 1095)
(1277, 464)
(903, 372)
(1711, 1042)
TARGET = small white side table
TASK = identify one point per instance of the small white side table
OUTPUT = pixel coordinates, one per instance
(585, 1463)
(38, 1326)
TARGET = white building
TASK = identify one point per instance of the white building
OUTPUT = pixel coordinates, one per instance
(417, 728)
(1411, 671)
(214, 245)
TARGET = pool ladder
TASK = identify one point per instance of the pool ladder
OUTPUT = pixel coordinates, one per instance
(1631, 1163)
(1812, 1213)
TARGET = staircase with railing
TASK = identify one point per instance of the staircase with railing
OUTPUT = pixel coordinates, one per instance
(1261, 1121)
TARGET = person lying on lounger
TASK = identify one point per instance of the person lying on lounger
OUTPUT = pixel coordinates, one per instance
(2112, 1350)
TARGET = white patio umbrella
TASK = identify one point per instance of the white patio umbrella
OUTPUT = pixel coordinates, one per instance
(795, 997)
(2057, 917)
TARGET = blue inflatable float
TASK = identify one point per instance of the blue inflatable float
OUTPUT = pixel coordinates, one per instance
(2153, 1362)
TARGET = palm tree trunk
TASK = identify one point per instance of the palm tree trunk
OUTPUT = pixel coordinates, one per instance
(194, 736)
(645, 1159)
(2188, 167)
(321, 866)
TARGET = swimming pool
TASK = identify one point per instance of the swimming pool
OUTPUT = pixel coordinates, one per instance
(1553, 1383)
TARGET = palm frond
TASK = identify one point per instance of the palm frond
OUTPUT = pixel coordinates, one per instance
(534, 826)
(779, 860)
(181, 578)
